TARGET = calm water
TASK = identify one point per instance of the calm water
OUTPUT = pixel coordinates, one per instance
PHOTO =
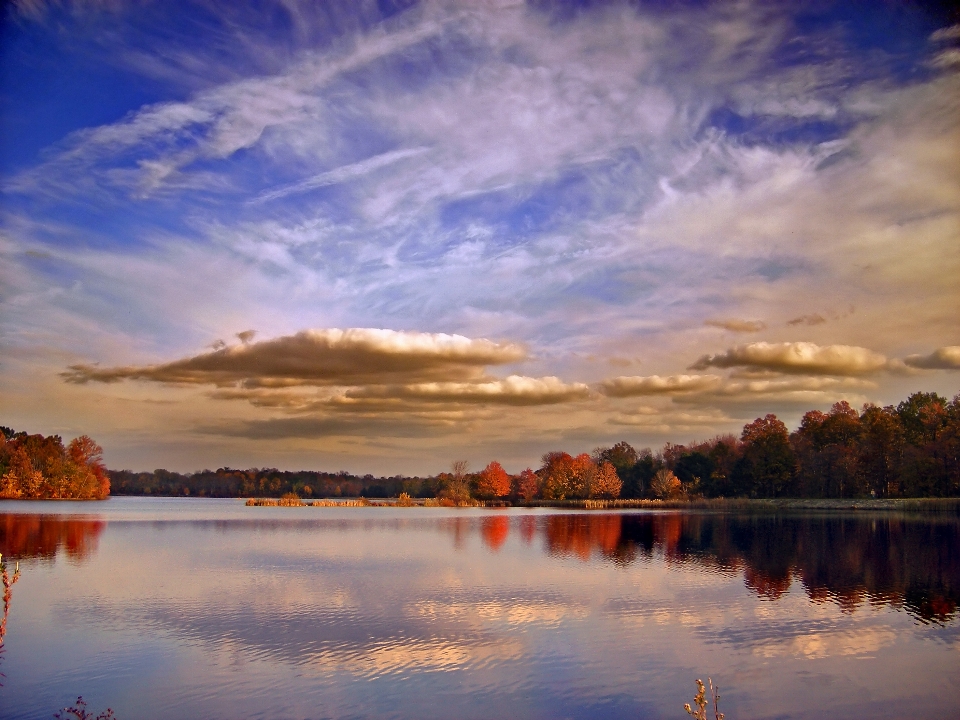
(177, 608)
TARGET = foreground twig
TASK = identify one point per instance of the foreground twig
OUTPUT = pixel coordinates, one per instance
(701, 701)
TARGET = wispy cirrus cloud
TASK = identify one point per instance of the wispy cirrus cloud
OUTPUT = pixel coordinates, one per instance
(341, 174)
(592, 185)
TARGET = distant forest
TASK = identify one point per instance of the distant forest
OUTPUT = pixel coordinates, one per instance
(908, 450)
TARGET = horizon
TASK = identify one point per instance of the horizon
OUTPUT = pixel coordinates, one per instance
(380, 237)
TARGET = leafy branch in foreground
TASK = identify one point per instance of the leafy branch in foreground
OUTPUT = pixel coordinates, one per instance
(701, 701)
(8, 582)
(78, 711)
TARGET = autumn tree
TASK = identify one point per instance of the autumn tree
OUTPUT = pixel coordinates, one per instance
(694, 469)
(35, 467)
(458, 484)
(528, 485)
(827, 449)
(561, 476)
(606, 482)
(924, 468)
(493, 482)
(881, 450)
(665, 484)
(87, 456)
(765, 469)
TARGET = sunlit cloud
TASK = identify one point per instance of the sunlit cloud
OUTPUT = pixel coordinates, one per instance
(513, 390)
(630, 386)
(944, 358)
(323, 357)
(797, 357)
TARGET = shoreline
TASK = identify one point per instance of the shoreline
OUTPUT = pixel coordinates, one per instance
(768, 505)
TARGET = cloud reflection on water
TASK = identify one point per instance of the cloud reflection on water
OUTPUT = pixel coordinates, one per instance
(557, 613)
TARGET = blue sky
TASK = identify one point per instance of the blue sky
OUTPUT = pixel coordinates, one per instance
(523, 226)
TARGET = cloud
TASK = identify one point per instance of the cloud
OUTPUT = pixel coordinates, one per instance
(670, 419)
(797, 357)
(513, 390)
(815, 319)
(946, 34)
(342, 174)
(734, 325)
(337, 426)
(324, 357)
(631, 386)
(704, 386)
(944, 358)
(783, 387)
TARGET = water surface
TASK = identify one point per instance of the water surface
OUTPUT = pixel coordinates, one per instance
(184, 608)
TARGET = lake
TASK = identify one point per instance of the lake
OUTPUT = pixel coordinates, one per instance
(184, 608)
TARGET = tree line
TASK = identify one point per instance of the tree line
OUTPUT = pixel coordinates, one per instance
(34, 467)
(908, 450)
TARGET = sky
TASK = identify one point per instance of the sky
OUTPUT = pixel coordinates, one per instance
(382, 236)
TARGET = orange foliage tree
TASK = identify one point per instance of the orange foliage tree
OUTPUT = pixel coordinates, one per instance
(606, 482)
(493, 482)
(565, 477)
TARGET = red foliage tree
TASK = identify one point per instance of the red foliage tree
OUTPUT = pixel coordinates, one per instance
(528, 484)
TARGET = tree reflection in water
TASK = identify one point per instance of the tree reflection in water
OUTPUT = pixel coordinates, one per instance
(494, 531)
(24, 536)
(902, 562)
